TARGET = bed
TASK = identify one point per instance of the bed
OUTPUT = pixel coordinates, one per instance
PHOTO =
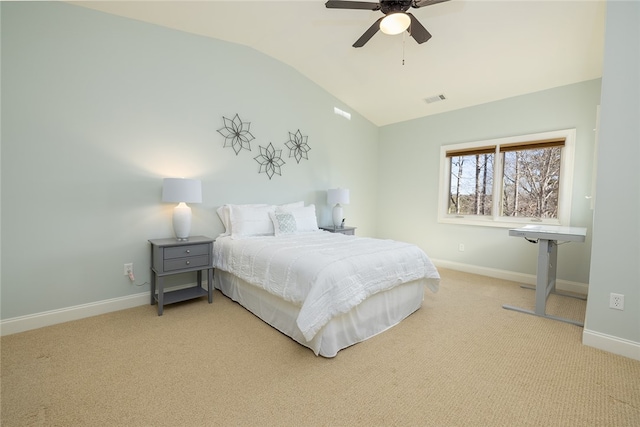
(327, 291)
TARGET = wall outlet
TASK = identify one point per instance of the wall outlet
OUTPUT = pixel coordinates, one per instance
(128, 269)
(461, 247)
(616, 301)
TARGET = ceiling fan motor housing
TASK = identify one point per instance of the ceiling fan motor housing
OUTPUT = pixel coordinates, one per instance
(395, 19)
(393, 6)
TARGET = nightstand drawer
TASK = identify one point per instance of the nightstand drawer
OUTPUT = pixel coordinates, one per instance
(185, 251)
(186, 263)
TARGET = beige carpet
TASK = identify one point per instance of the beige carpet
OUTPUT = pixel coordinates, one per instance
(461, 360)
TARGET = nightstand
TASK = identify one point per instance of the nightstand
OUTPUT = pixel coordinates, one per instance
(344, 230)
(171, 256)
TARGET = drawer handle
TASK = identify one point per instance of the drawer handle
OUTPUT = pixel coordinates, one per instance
(188, 262)
(188, 251)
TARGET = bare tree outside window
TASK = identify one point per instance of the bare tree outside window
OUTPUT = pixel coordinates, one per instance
(531, 182)
(511, 180)
(471, 184)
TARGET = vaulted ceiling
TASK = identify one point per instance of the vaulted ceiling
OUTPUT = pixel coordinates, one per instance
(481, 51)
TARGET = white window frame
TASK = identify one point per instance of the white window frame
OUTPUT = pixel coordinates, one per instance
(565, 190)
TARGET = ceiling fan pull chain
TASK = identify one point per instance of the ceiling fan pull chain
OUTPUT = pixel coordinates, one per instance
(404, 36)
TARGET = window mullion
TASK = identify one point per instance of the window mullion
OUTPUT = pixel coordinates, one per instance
(497, 185)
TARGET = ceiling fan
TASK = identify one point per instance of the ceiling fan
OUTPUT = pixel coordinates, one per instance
(395, 21)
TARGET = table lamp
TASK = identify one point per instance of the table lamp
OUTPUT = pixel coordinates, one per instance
(337, 197)
(182, 191)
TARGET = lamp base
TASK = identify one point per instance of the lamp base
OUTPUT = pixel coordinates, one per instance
(337, 215)
(182, 221)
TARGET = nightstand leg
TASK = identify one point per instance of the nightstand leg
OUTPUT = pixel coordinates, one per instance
(210, 284)
(160, 295)
(153, 287)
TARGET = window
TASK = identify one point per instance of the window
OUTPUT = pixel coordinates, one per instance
(508, 181)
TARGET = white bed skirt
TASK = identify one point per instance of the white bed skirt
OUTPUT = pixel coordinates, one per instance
(376, 314)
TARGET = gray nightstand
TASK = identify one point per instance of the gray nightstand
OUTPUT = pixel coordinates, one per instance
(170, 256)
(344, 230)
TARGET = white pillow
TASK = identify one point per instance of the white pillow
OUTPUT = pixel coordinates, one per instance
(305, 217)
(283, 222)
(225, 215)
(247, 220)
(224, 212)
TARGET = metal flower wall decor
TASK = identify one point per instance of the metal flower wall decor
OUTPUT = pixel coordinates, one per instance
(236, 134)
(297, 145)
(270, 160)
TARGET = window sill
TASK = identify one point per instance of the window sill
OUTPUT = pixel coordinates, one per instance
(469, 220)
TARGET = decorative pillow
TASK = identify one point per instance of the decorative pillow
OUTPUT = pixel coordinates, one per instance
(305, 217)
(283, 223)
(251, 220)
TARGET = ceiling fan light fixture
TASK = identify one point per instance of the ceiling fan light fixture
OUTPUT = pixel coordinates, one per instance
(395, 23)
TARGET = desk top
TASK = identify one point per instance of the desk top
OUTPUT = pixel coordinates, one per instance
(551, 232)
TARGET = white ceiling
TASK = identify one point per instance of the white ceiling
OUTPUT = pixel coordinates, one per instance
(481, 50)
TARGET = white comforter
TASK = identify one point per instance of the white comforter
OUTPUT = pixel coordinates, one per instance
(326, 274)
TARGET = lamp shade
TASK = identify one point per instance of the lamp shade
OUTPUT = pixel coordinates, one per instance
(338, 196)
(182, 190)
(395, 23)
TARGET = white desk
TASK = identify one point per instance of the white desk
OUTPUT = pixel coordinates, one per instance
(547, 238)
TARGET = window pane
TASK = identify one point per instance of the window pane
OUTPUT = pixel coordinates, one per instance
(471, 184)
(531, 182)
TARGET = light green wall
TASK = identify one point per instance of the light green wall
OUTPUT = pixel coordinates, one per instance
(97, 109)
(616, 234)
(409, 178)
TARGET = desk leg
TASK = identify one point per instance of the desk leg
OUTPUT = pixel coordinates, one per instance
(546, 276)
(545, 281)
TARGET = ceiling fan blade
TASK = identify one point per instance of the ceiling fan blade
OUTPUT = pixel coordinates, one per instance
(417, 30)
(423, 3)
(338, 4)
(368, 34)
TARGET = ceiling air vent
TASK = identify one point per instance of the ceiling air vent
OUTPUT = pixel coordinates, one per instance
(435, 98)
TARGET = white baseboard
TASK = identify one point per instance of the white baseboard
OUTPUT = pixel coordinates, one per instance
(48, 318)
(611, 344)
(53, 317)
(594, 339)
(527, 279)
